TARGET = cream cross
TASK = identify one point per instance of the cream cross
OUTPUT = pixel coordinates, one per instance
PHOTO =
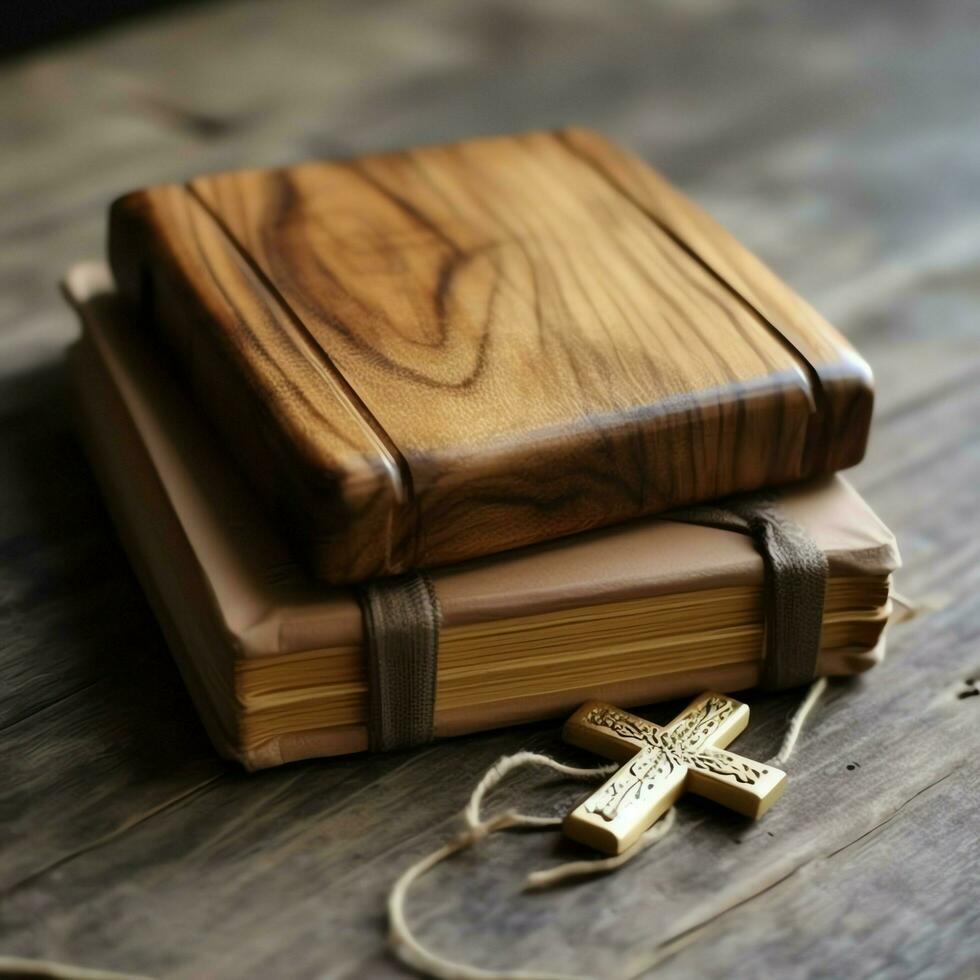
(660, 764)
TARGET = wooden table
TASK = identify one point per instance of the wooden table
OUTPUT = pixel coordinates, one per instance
(840, 140)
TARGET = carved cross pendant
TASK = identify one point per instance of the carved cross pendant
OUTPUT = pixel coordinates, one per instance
(660, 764)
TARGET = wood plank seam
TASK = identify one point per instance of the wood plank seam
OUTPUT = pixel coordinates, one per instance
(817, 393)
(396, 466)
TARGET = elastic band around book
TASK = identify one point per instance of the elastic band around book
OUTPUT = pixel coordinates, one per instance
(402, 620)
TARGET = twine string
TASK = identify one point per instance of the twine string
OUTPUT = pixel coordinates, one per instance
(419, 957)
(404, 942)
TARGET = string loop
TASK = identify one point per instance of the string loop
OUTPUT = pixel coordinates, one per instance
(415, 955)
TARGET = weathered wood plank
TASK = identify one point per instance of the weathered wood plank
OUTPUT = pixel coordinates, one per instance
(842, 151)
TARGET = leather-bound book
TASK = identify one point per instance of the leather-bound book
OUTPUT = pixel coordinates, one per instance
(277, 662)
(428, 356)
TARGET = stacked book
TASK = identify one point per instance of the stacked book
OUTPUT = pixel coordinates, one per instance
(497, 361)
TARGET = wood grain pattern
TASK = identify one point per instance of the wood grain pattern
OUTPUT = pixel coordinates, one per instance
(309, 416)
(837, 141)
(837, 434)
(526, 350)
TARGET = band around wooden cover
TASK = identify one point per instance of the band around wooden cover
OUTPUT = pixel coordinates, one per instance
(402, 620)
(401, 623)
(795, 582)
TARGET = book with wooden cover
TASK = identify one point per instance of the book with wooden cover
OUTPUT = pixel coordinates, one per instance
(431, 355)
(276, 661)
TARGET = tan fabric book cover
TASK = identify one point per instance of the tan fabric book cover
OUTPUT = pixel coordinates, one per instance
(437, 354)
(642, 612)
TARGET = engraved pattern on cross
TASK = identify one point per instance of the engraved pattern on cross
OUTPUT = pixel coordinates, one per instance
(661, 763)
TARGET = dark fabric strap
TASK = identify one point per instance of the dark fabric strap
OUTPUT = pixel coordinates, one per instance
(795, 582)
(401, 623)
(402, 620)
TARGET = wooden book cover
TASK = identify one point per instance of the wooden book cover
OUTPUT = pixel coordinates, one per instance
(426, 356)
